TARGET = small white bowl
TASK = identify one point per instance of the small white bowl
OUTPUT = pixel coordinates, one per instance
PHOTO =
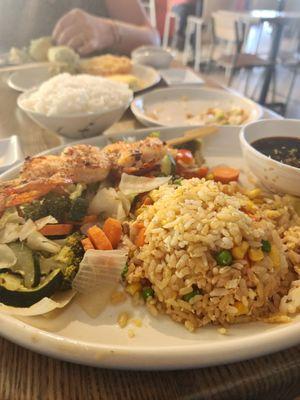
(154, 56)
(276, 176)
(10, 152)
(75, 126)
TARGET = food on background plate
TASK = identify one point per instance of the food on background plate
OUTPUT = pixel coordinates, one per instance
(185, 238)
(284, 149)
(66, 94)
(132, 81)
(220, 116)
(107, 64)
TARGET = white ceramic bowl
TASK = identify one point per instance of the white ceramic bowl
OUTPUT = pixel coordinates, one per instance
(154, 56)
(75, 126)
(276, 176)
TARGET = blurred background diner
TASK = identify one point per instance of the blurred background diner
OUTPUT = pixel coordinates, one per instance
(249, 45)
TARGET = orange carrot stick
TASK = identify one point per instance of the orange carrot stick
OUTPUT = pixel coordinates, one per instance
(56, 229)
(87, 244)
(225, 174)
(140, 237)
(98, 238)
(113, 230)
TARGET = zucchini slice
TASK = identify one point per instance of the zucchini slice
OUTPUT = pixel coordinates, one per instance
(27, 264)
(13, 293)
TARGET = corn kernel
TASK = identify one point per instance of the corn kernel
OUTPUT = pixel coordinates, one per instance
(209, 177)
(250, 206)
(275, 256)
(133, 288)
(272, 214)
(256, 255)
(239, 252)
(252, 194)
(123, 319)
(242, 309)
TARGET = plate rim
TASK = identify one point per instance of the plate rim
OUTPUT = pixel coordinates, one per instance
(187, 355)
(148, 121)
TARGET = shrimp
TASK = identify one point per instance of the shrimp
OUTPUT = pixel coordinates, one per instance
(80, 163)
(15, 194)
(41, 167)
(136, 157)
(86, 164)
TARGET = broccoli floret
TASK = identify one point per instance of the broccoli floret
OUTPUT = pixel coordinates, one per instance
(78, 209)
(69, 274)
(70, 257)
(56, 205)
(34, 210)
(72, 252)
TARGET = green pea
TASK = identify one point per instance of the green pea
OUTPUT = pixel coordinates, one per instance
(124, 272)
(147, 292)
(224, 258)
(155, 134)
(189, 296)
(265, 246)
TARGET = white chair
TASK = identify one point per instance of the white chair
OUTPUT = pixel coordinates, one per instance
(169, 17)
(150, 7)
(194, 27)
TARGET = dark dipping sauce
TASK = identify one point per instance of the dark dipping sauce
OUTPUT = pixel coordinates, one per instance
(280, 148)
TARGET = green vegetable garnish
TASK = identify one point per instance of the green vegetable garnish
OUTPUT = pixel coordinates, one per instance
(147, 292)
(224, 258)
(124, 272)
(155, 134)
(265, 246)
(178, 181)
(196, 291)
(168, 165)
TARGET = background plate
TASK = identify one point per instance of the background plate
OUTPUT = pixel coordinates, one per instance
(171, 106)
(28, 78)
(160, 343)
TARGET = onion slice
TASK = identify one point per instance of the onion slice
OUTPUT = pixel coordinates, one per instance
(99, 268)
(133, 185)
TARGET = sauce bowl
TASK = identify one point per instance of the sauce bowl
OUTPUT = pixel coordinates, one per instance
(274, 175)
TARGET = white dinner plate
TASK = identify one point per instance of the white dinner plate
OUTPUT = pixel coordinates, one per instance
(174, 106)
(26, 79)
(160, 343)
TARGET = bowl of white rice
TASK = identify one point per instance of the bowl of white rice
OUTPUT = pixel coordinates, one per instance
(76, 106)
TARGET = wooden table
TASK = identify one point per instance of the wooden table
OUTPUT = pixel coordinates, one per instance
(28, 376)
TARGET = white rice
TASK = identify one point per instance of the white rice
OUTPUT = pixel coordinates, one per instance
(66, 94)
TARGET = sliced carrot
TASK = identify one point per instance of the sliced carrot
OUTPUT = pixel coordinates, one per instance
(140, 237)
(147, 201)
(193, 173)
(113, 230)
(98, 238)
(89, 218)
(87, 244)
(225, 174)
(56, 229)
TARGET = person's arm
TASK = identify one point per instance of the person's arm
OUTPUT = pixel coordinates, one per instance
(132, 24)
(127, 29)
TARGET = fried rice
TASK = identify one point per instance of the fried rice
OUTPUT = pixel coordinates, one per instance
(187, 226)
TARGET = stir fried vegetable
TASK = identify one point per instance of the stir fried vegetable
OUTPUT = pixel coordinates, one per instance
(78, 209)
